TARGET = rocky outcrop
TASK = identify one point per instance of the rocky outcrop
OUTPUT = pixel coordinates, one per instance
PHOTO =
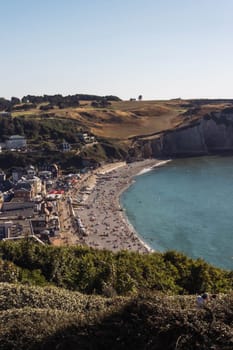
(211, 134)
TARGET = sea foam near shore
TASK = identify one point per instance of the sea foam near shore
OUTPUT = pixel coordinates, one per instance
(146, 170)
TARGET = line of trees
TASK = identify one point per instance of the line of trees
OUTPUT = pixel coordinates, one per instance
(53, 100)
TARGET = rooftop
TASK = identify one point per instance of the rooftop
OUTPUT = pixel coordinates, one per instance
(13, 137)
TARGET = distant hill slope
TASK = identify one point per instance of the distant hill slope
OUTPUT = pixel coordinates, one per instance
(120, 120)
(123, 129)
(51, 318)
(124, 119)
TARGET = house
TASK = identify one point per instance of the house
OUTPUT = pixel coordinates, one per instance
(39, 224)
(42, 224)
(5, 229)
(16, 142)
(66, 147)
(85, 137)
(18, 207)
(17, 173)
(15, 229)
(18, 211)
(31, 172)
(24, 194)
(36, 184)
(24, 190)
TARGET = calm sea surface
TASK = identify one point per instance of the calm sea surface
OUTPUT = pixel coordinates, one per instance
(186, 205)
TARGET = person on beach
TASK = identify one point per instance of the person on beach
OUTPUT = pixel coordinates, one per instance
(202, 300)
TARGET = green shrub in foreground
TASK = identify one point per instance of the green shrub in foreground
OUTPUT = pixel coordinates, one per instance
(102, 272)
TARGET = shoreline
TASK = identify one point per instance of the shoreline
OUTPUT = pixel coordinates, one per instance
(104, 222)
(132, 180)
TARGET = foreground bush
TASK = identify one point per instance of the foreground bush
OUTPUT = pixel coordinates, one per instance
(102, 272)
(50, 318)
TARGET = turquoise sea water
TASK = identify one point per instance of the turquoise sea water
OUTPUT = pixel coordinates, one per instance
(186, 205)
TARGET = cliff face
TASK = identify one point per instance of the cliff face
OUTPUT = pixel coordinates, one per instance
(211, 134)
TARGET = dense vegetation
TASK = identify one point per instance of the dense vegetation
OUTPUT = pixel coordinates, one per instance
(103, 272)
(42, 160)
(40, 129)
(50, 318)
(58, 98)
(150, 314)
(44, 139)
(68, 162)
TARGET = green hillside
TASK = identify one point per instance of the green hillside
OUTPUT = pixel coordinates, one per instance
(115, 124)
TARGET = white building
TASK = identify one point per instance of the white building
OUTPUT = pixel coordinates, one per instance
(36, 183)
(16, 142)
(31, 172)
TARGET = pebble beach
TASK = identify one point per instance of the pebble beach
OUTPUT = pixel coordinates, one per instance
(104, 223)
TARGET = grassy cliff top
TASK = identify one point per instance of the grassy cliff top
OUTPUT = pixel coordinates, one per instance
(125, 119)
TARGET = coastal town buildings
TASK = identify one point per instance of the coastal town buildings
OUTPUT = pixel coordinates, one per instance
(16, 142)
(27, 208)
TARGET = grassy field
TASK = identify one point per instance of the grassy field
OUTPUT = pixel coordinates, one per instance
(121, 120)
(125, 119)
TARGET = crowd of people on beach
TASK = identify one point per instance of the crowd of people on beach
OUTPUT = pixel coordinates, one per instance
(101, 214)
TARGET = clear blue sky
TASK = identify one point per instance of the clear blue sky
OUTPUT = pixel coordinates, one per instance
(157, 48)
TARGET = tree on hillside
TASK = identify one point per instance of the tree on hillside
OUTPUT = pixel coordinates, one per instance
(15, 100)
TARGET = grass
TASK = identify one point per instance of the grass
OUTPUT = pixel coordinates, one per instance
(127, 119)
(122, 120)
